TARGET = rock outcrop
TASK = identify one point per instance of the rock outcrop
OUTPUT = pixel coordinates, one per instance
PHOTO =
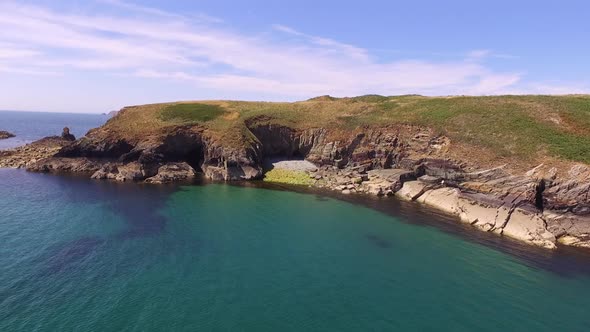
(66, 135)
(30, 154)
(5, 134)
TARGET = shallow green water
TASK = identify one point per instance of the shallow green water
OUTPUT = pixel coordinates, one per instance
(80, 255)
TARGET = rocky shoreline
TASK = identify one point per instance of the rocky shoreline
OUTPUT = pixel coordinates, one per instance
(544, 206)
(510, 214)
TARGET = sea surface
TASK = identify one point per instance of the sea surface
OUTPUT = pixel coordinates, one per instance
(82, 255)
(31, 126)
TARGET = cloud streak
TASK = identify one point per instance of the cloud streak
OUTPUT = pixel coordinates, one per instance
(199, 50)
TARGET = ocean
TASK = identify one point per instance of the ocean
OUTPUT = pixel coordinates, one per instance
(31, 126)
(83, 255)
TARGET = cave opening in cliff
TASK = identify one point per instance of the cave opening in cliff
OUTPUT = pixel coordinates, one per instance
(195, 159)
(184, 147)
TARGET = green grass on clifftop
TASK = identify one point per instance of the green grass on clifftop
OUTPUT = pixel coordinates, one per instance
(193, 112)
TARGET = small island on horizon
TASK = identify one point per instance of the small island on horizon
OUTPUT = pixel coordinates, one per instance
(512, 165)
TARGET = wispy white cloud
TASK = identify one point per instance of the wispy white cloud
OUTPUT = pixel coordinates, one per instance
(154, 11)
(155, 44)
(477, 54)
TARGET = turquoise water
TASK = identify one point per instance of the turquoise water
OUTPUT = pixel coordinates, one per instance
(81, 255)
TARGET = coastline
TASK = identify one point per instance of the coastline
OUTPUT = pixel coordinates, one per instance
(517, 218)
(420, 215)
(562, 260)
(542, 204)
(476, 212)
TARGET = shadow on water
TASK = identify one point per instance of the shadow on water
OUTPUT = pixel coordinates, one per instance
(378, 241)
(565, 261)
(67, 255)
(138, 204)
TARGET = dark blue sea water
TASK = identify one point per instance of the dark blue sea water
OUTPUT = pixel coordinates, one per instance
(31, 126)
(82, 255)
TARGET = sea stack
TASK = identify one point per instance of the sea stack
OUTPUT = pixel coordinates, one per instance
(5, 134)
(66, 134)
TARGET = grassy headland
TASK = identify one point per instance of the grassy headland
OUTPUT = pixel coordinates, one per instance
(523, 129)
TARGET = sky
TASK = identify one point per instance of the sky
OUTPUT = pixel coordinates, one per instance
(95, 56)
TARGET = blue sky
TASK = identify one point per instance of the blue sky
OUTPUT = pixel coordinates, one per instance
(100, 55)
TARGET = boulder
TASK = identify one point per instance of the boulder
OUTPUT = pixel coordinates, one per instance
(173, 172)
(5, 134)
(130, 172)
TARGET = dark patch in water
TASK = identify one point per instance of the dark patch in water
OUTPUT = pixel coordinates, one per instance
(71, 253)
(378, 241)
(138, 204)
(321, 198)
(138, 227)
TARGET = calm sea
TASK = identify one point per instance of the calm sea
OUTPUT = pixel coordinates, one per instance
(82, 255)
(31, 126)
